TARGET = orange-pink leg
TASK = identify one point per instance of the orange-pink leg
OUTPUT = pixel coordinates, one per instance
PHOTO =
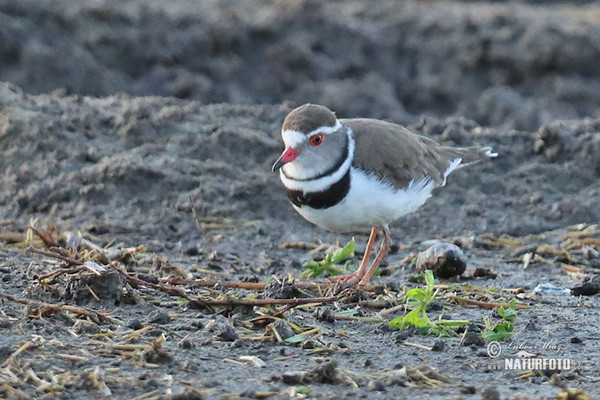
(357, 275)
(384, 248)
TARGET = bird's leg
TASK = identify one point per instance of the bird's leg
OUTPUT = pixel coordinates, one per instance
(384, 248)
(357, 275)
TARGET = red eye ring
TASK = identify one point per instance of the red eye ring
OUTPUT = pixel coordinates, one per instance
(316, 140)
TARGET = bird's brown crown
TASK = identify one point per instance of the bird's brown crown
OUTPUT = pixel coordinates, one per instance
(309, 117)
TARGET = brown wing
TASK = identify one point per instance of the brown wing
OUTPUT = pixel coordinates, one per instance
(392, 151)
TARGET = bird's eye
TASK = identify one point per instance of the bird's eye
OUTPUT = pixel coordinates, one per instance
(317, 139)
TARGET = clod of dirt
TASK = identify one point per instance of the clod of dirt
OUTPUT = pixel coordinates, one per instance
(283, 329)
(377, 386)
(185, 394)
(324, 373)
(489, 393)
(283, 289)
(89, 288)
(446, 260)
(439, 345)
(134, 324)
(157, 356)
(228, 334)
(159, 317)
(325, 314)
(148, 278)
(483, 272)
(472, 338)
(589, 287)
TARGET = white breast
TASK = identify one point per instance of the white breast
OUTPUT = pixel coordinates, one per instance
(370, 202)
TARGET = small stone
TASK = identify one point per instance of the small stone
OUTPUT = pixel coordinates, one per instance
(134, 324)
(472, 339)
(192, 251)
(325, 314)
(283, 329)
(377, 386)
(468, 389)
(489, 393)
(446, 260)
(248, 394)
(295, 377)
(160, 317)
(148, 278)
(438, 346)
(228, 334)
(576, 340)
(482, 272)
(186, 344)
(589, 287)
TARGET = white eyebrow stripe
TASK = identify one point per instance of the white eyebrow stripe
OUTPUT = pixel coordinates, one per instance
(327, 129)
(293, 138)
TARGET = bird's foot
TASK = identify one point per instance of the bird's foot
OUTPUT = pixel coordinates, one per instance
(352, 278)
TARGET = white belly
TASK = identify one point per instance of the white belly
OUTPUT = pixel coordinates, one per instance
(370, 202)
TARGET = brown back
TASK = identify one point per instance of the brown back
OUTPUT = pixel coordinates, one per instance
(393, 152)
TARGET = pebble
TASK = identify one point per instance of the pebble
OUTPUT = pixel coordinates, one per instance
(446, 260)
(325, 314)
(489, 393)
(377, 386)
(134, 324)
(472, 338)
(160, 317)
(438, 346)
(228, 334)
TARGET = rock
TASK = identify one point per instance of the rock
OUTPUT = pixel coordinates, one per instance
(446, 260)
(439, 345)
(472, 339)
(134, 324)
(283, 329)
(589, 287)
(228, 334)
(377, 386)
(107, 288)
(489, 393)
(159, 317)
(325, 314)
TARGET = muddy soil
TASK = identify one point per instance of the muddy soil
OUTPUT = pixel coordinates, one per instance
(84, 151)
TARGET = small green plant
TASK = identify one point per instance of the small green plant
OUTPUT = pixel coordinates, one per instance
(316, 268)
(504, 328)
(419, 300)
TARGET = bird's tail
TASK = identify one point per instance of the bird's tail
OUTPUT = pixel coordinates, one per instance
(468, 155)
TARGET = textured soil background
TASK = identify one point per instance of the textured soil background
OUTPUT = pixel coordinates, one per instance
(113, 115)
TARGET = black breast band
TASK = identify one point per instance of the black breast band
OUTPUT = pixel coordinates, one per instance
(324, 198)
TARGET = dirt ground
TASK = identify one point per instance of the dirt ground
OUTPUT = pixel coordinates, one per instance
(120, 120)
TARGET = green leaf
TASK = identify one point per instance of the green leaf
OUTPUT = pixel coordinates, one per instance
(303, 390)
(416, 294)
(500, 335)
(344, 253)
(347, 312)
(429, 279)
(295, 339)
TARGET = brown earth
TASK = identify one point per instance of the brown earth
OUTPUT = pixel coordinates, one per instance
(121, 169)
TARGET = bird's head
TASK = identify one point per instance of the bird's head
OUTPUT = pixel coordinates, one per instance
(314, 142)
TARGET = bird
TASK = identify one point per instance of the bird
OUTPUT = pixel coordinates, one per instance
(351, 175)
